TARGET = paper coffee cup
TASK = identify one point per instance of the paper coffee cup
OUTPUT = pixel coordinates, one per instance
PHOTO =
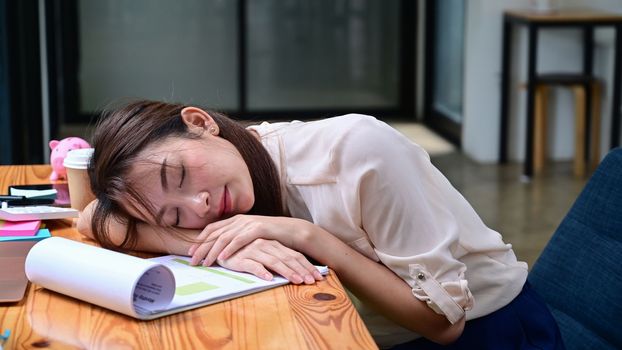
(76, 162)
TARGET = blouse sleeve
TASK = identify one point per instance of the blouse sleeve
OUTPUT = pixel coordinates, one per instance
(411, 214)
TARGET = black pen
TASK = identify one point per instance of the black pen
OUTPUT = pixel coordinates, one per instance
(7, 198)
(23, 200)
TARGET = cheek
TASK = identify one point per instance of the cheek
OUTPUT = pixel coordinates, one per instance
(137, 212)
(247, 199)
(246, 204)
(195, 223)
(148, 199)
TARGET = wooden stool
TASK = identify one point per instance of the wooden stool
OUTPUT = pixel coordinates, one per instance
(579, 86)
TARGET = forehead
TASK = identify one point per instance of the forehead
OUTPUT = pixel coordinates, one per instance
(155, 154)
(160, 149)
(169, 150)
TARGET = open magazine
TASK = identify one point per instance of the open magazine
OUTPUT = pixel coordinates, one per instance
(141, 288)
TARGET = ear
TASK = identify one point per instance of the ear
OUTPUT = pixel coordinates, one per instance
(53, 144)
(195, 118)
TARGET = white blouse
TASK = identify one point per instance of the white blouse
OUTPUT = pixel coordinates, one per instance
(367, 184)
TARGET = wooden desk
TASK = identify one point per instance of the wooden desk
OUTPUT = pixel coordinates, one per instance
(584, 19)
(290, 317)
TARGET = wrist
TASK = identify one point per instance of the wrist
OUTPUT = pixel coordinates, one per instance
(314, 241)
(302, 234)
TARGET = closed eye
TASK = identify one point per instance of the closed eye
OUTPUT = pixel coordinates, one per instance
(176, 217)
(183, 175)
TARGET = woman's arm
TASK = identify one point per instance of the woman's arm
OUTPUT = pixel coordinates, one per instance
(377, 286)
(258, 255)
(150, 238)
(370, 281)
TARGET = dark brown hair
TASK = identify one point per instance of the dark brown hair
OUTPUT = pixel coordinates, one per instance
(123, 132)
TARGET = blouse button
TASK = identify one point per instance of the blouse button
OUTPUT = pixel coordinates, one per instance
(421, 276)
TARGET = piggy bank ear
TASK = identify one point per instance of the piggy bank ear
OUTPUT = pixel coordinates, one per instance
(53, 144)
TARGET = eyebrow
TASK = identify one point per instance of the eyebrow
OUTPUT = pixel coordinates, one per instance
(163, 175)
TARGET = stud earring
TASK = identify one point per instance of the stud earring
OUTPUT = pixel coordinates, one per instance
(213, 130)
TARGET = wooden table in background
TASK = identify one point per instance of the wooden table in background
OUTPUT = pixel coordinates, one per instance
(319, 316)
(587, 20)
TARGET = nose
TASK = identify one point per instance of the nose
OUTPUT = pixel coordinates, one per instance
(200, 204)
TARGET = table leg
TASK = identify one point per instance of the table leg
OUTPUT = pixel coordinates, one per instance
(595, 91)
(580, 93)
(588, 59)
(505, 86)
(615, 102)
(531, 74)
(541, 104)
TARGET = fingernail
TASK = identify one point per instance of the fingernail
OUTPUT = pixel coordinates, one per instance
(309, 279)
(267, 276)
(318, 276)
(296, 279)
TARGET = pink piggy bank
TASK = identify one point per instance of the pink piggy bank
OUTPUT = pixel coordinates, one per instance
(59, 151)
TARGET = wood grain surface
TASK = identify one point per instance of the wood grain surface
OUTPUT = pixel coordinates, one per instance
(318, 316)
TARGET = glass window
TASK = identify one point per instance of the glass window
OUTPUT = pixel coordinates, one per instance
(323, 54)
(173, 50)
(449, 56)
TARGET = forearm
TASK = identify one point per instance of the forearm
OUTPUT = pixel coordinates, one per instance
(150, 238)
(158, 240)
(377, 286)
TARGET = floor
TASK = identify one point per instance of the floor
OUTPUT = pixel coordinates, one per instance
(526, 213)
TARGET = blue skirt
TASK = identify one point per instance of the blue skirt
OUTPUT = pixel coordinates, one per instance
(525, 323)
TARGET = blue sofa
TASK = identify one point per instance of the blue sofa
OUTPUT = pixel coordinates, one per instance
(579, 273)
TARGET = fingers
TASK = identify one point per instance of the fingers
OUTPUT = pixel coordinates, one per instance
(207, 250)
(290, 261)
(224, 248)
(243, 238)
(208, 231)
(199, 252)
(248, 265)
(231, 237)
(273, 256)
(214, 238)
(224, 237)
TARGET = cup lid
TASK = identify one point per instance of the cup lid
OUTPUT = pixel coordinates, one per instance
(78, 158)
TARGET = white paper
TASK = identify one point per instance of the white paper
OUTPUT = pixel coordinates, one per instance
(141, 288)
(98, 276)
(32, 193)
(207, 285)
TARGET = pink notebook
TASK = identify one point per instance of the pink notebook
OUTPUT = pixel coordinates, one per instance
(19, 228)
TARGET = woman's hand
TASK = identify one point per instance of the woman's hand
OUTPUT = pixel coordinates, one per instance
(222, 239)
(262, 255)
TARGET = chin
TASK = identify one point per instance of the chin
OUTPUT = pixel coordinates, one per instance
(245, 205)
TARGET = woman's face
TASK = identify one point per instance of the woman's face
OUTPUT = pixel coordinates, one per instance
(192, 182)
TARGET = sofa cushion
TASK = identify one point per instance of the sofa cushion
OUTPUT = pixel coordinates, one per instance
(579, 273)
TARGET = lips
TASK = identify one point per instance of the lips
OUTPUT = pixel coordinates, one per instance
(225, 203)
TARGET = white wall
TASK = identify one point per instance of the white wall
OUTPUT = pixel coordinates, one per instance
(558, 50)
